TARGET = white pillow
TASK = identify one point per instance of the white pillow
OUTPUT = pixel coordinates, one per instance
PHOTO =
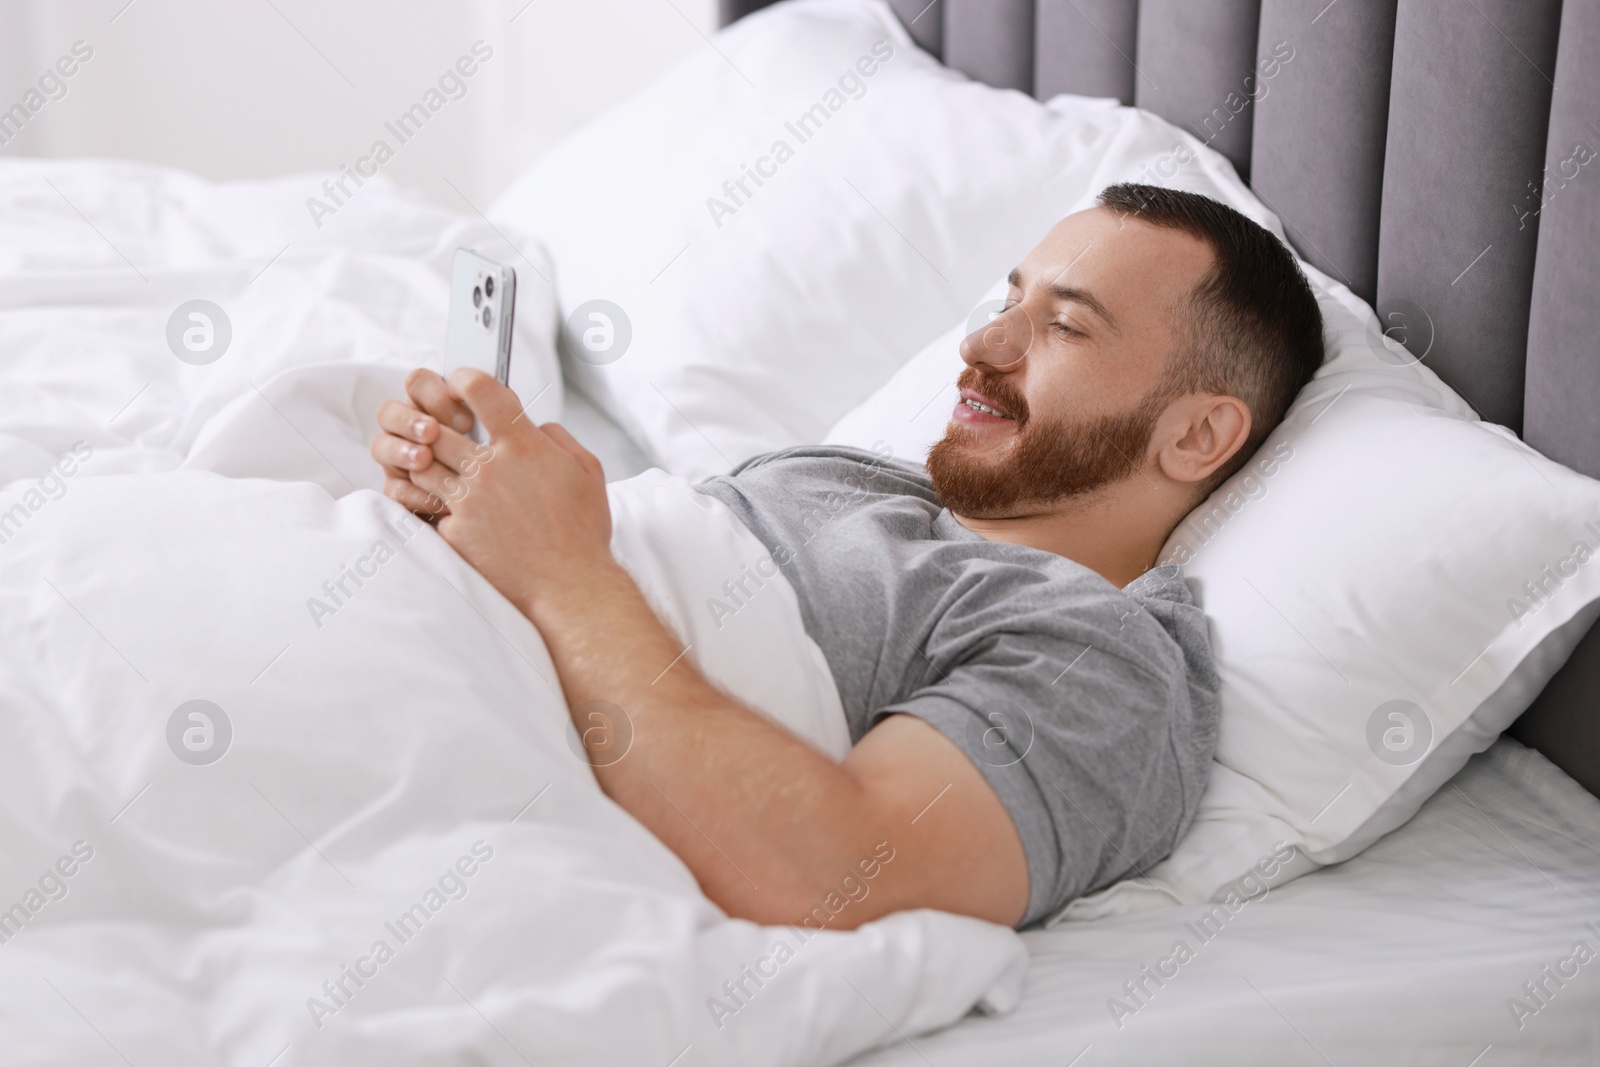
(1365, 581)
(1364, 577)
(752, 322)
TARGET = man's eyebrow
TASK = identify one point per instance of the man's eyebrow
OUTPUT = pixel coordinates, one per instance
(1072, 293)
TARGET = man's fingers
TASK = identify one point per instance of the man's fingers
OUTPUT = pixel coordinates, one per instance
(443, 483)
(430, 393)
(399, 455)
(403, 420)
(422, 447)
(495, 405)
(408, 495)
(458, 453)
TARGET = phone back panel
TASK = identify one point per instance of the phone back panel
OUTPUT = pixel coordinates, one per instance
(482, 309)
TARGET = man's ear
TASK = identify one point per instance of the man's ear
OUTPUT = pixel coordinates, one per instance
(1207, 430)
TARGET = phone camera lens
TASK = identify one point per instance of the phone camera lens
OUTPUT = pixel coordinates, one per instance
(487, 317)
(488, 287)
(477, 297)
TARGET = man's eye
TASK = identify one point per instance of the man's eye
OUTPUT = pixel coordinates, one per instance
(1064, 328)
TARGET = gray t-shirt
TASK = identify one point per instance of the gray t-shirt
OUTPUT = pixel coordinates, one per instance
(1092, 711)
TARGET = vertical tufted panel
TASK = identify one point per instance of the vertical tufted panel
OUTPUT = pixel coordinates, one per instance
(1085, 47)
(1320, 124)
(1194, 57)
(1468, 109)
(991, 41)
(1563, 375)
(925, 20)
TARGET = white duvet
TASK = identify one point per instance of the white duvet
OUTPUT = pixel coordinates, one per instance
(374, 842)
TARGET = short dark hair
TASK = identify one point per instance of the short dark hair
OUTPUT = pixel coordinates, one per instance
(1255, 330)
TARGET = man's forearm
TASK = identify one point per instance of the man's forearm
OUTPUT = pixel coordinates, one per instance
(766, 823)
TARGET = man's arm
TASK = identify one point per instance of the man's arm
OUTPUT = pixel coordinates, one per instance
(767, 824)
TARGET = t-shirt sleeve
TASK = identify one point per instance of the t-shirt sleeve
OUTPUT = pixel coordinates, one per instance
(1081, 741)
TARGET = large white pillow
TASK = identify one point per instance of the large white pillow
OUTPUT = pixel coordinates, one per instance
(734, 322)
(1390, 582)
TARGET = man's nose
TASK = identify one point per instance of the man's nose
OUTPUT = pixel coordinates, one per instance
(1001, 343)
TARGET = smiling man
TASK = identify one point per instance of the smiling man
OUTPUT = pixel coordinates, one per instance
(1033, 706)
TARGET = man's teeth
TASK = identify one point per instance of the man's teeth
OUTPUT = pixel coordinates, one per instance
(985, 408)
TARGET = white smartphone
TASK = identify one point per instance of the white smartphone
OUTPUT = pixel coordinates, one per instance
(483, 304)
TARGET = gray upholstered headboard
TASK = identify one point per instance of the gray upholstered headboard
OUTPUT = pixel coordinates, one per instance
(1438, 156)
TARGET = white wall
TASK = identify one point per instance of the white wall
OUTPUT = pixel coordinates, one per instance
(256, 88)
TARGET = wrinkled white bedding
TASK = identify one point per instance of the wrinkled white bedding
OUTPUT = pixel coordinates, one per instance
(372, 747)
(396, 767)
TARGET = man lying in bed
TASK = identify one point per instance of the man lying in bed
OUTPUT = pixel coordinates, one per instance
(1034, 708)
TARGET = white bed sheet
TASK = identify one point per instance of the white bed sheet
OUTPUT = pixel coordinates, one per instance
(1408, 954)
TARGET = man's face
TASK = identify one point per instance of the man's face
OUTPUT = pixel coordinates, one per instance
(1072, 373)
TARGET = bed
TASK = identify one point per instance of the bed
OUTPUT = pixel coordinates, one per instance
(1412, 157)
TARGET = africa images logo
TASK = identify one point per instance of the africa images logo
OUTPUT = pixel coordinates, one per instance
(199, 732)
(199, 332)
(1399, 732)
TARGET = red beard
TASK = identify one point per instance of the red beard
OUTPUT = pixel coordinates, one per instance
(1048, 462)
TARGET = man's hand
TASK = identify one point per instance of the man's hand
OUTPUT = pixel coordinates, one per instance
(410, 431)
(528, 510)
